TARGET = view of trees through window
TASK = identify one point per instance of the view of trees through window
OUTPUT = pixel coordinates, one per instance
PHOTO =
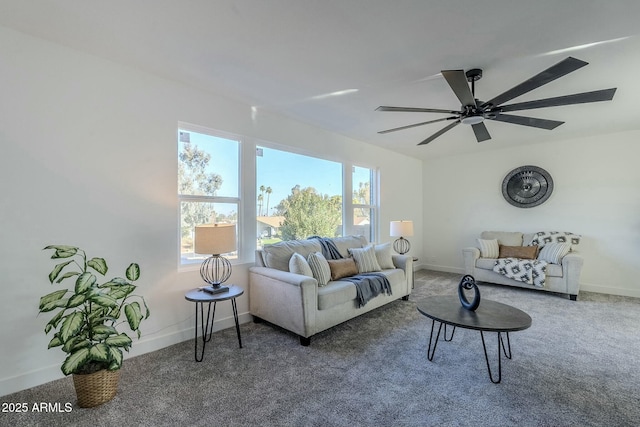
(300, 196)
(208, 173)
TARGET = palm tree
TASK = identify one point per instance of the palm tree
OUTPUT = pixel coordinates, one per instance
(268, 191)
(260, 197)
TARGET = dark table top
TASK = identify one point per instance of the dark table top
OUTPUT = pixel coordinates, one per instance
(490, 316)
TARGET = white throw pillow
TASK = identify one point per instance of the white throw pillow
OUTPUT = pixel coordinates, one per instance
(365, 259)
(489, 248)
(554, 252)
(319, 268)
(299, 265)
(383, 255)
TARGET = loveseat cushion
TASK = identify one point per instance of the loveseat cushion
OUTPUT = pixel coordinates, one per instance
(509, 238)
(344, 243)
(338, 292)
(277, 255)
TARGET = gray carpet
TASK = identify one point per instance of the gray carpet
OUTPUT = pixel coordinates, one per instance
(578, 365)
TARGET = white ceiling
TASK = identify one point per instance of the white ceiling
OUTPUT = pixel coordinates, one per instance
(330, 63)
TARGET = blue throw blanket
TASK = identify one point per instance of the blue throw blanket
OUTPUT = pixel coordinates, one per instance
(369, 285)
(329, 249)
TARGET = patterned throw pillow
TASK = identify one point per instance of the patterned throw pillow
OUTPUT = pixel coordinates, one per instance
(553, 252)
(299, 265)
(541, 238)
(383, 255)
(489, 248)
(319, 268)
(365, 259)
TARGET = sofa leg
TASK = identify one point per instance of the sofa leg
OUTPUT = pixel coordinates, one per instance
(573, 297)
(256, 319)
(405, 298)
(305, 341)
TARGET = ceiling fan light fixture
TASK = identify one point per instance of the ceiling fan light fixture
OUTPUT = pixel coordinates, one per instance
(472, 120)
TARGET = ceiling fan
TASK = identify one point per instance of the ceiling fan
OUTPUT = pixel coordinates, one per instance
(474, 112)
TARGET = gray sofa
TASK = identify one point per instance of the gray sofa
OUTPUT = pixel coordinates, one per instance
(297, 303)
(563, 277)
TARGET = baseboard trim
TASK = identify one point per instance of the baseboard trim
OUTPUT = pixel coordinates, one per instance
(51, 373)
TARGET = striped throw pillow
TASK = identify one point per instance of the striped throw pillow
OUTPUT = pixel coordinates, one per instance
(489, 248)
(554, 252)
(365, 259)
(319, 268)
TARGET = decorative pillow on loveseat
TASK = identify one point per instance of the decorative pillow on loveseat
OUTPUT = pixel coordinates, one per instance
(522, 252)
(365, 259)
(319, 268)
(554, 252)
(383, 255)
(340, 268)
(489, 248)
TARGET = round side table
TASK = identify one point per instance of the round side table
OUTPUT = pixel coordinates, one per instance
(201, 297)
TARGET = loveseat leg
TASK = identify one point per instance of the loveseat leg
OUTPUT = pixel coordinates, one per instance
(256, 319)
(405, 298)
(573, 297)
(305, 341)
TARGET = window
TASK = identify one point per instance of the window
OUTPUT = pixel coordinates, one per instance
(363, 202)
(300, 196)
(208, 184)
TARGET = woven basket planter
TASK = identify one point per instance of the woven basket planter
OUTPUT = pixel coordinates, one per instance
(97, 388)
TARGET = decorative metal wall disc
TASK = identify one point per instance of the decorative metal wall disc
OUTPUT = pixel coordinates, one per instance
(527, 186)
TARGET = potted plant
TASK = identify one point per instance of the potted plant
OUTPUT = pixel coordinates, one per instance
(88, 316)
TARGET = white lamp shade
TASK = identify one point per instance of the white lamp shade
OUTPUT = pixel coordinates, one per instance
(401, 228)
(215, 239)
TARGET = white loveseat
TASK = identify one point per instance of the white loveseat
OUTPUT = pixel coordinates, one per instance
(297, 303)
(562, 277)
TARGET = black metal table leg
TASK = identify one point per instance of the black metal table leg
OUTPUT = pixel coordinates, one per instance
(430, 351)
(500, 350)
(205, 326)
(235, 316)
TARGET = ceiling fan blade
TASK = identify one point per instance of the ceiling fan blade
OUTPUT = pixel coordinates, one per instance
(458, 82)
(578, 98)
(528, 121)
(562, 68)
(414, 110)
(418, 124)
(482, 134)
(440, 132)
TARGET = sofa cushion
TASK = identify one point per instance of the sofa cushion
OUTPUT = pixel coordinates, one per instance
(299, 265)
(554, 252)
(343, 244)
(384, 256)
(509, 238)
(338, 292)
(489, 248)
(277, 255)
(319, 268)
(365, 259)
(340, 268)
(522, 252)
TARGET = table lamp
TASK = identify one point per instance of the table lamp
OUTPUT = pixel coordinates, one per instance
(400, 229)
(215, 239)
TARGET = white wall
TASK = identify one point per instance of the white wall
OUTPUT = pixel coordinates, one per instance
(88, 158)
(596, 194)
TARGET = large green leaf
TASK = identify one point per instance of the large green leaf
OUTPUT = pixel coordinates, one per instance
(121, 340)
(104, 329)
(116, 281)
(67, 275)
(62, 251)
(120, 292)
(99, 265)
(46, 300)
(116, 358)
(134, 315)
(84, 282)
(99, 352)
(75, 360)
(133, 272)
(57, 269)
(55, 342)
(76, 300)
(71, 325)
(104, 300)
(53, 323)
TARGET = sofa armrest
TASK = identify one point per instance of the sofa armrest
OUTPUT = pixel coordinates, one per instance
(470, 255)
(571, 268)
(405, 263)
(283, 276)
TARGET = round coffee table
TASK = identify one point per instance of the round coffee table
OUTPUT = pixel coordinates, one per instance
(490, 316)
